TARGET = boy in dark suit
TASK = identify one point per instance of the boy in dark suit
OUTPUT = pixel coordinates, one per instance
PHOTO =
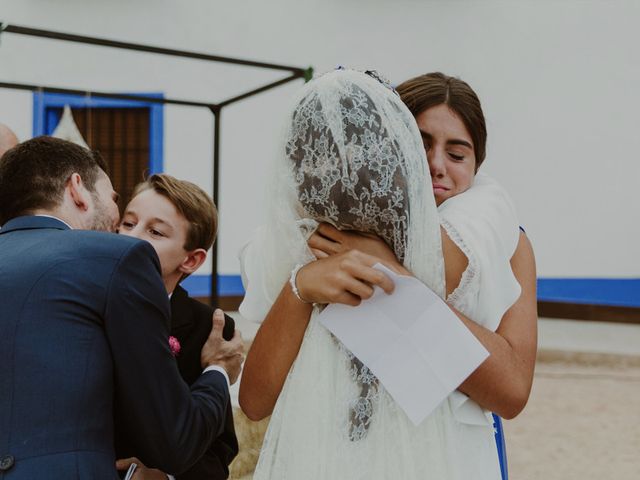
(180, 220)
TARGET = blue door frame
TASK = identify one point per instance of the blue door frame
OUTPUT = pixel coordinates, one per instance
(46, 116)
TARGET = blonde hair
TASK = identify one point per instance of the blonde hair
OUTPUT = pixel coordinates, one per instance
(192, 202)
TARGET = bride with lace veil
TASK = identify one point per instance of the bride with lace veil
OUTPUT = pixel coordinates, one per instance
(353, 157)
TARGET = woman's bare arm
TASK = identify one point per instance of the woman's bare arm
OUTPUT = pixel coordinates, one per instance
(328, 240)
(272, 353)
(503, 382)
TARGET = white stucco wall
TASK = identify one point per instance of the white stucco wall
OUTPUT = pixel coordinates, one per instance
(558, 81)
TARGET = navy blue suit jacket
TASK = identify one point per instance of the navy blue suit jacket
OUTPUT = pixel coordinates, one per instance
(84, 327)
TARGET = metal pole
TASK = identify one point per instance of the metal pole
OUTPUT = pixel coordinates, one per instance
(269, 86)
(214, 250)
(103, 42)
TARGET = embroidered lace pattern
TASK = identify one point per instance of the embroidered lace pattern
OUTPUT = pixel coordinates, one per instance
(354, 178)
(360, 408)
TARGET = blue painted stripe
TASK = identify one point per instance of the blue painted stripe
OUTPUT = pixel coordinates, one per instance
(38, 114)
(156, 137)
(59, 100)
(200, 285)
(591, 291)
(618, 292)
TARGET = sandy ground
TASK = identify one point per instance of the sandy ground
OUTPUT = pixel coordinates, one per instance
(582, 422)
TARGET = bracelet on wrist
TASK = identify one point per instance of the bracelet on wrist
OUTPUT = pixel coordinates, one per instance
(292, 282)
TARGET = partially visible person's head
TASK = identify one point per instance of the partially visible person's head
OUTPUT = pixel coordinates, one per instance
(454, 132)
(8, 139)
(46, 175)
(178, 218)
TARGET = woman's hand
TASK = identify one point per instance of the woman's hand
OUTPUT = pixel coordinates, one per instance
(142, 472)
(328, 240)
(346, 278)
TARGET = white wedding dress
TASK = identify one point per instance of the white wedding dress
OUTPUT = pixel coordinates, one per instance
(333, 420)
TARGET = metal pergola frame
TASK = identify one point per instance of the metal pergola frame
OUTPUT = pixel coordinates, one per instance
(215, 108)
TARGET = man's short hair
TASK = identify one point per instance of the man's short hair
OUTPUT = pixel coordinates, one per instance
(192, 202)
(33, 174)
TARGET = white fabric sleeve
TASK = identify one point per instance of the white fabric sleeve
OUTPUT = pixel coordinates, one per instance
(262, 286)
(256, 302)
(484, 219)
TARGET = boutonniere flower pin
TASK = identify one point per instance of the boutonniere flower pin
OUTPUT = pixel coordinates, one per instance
(174, 345)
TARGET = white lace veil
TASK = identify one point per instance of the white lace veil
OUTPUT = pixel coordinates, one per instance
(352, 156)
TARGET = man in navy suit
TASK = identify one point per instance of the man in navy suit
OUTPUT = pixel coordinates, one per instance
(84, 327)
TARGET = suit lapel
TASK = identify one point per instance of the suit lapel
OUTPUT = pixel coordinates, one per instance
(182, 318)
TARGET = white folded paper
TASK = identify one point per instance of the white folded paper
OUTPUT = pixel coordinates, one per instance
(416, 346)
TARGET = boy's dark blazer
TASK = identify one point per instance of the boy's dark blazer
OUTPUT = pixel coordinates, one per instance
(191, 323)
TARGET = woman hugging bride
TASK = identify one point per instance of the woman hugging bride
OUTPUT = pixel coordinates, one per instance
(351, 189)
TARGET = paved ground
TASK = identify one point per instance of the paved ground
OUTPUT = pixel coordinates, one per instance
(582, 422)
(583, 417)
(591, 337)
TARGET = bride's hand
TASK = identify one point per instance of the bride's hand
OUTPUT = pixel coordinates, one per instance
(328, 240)
(346, 278)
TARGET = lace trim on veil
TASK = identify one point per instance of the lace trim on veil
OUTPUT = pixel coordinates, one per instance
(360, 408)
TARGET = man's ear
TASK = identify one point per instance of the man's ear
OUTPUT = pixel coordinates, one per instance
(77, 191)
(193, 260)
